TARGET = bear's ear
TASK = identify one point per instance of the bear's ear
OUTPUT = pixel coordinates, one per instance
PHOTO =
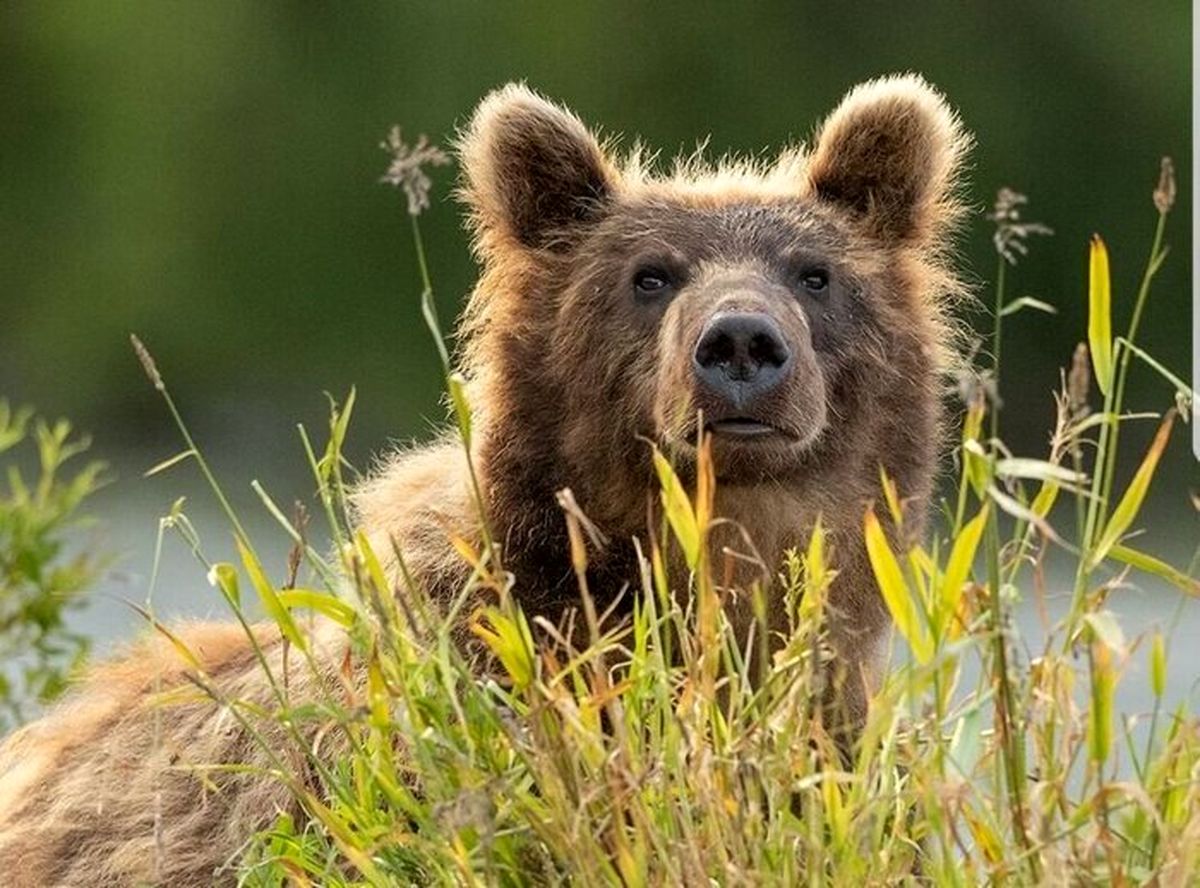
(891, 153)
(532, 171)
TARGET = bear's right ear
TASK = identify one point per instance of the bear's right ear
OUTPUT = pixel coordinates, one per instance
(533, 172)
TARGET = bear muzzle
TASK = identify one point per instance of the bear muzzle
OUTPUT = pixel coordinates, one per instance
(741, 359)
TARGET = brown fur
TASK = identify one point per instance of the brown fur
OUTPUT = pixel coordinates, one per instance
(570, 374)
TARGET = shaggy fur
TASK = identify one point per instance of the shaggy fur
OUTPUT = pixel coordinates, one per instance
(572, 369)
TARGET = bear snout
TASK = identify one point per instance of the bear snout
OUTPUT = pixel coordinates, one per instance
(740, 357)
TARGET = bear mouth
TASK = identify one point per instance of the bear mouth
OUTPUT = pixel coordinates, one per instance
(743, 428)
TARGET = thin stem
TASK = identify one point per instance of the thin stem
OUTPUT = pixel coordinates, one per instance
(204, 468)
(1012, 744)
(997, 330)
(429, 310)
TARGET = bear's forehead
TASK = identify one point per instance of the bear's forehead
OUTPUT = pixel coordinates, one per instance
(704, 228)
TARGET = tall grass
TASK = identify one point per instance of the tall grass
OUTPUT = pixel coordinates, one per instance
(669, 750)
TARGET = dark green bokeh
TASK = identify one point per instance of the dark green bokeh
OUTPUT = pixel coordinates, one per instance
(206, 174)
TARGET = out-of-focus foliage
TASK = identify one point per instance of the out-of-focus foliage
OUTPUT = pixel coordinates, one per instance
(39, 580)
(206, 174)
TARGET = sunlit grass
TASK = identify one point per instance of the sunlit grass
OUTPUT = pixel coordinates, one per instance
(667, 749)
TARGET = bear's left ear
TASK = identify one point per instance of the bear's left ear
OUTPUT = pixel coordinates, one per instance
(891, 153)
(532, 171)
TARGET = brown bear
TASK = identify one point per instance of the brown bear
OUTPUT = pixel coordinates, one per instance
(798, 306)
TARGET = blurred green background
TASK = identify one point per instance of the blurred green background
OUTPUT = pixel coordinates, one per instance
(206, 174)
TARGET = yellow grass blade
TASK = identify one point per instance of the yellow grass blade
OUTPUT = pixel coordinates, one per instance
(679, 511)
(896, 594)
(1100, 314)
(321, 602)
(1127, 509)
(890, 496)
(1044, 501)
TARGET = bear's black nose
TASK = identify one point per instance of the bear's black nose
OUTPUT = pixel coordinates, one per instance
(741, 356)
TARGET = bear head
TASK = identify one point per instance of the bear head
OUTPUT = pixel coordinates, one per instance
(794, 308)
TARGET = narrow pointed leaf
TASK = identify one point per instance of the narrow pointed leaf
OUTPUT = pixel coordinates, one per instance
(1101, 715)
(457, 384)
(1100, 314)
(1157, 567)
(1027, 302)
(1127, 509)
(270, 598)
(896, 593)
(962, 555)
(167, 463)
(1044, 501)
(321, 602)
(1037, 470)
(1158, 665)
(678, 509)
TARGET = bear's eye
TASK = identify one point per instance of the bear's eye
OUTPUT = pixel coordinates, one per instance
(651, 281)
(815, 280)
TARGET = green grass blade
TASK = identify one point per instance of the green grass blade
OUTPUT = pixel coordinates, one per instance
(1131, 503)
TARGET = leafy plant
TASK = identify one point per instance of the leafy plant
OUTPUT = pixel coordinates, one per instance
(40, 581)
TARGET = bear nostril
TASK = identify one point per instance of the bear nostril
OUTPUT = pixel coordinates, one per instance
(715, 349)
(766, 348)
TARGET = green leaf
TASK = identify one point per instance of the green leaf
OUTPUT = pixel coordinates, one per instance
(1158, 665)
(1022, 512)
(958, 567)
(270, 598)
(1131, 503)
(896, 594)
(341, 422)
(1044, 501)
(224, 576)
(1100, 314)
(1104, 682)
(509, 638)
(321, 602)
(429, 313)
(1037, 470)
(1181, 387)
(1027, 302)
(1155, 566)
(457, 385)
(977, 467)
